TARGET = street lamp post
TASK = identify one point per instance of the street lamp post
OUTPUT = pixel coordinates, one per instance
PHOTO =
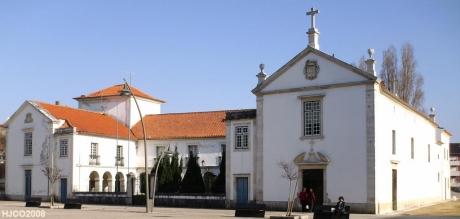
(156, 174)
(126, 91)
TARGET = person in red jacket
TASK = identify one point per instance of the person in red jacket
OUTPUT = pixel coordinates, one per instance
(303, 199)
(311, 199)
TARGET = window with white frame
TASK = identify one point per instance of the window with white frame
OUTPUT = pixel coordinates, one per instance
(119, 152)
(63, 147)
(412, 148)
(94, 149)
(28, 144)
(159, 150)
(429, 153)
(242, 137)
(312, 118)
(193, 149)
(393, 142)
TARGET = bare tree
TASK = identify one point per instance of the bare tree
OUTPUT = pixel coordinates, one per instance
(48, 157)
(389, 70)
(403, 80)
(362, 63)
(290, 173)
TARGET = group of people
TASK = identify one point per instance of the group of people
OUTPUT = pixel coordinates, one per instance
(307, 199)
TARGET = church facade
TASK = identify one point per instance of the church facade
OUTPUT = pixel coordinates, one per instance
(342, 131)
(346, 134)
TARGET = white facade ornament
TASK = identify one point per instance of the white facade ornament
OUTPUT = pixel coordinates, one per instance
(370, 62)
(311, 69)
(261, 76)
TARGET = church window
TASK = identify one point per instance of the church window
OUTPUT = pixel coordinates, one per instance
(312, 117)
(63, 147)
(28, 144)
(241, 137)
(412, 148)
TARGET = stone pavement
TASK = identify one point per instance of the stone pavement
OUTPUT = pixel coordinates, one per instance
(8, 209)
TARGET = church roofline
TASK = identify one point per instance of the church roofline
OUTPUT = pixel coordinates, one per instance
(302, 54)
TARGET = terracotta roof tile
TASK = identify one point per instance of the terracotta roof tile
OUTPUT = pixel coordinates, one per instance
(115, 91)
(87, 122)
(183, 125)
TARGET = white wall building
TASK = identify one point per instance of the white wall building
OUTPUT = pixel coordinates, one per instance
(94, 146)
(346, 134)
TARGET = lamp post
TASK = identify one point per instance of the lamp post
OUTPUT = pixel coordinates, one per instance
(126, 91)
(156, 174)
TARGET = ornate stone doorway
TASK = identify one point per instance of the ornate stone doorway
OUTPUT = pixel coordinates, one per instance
(312, 172)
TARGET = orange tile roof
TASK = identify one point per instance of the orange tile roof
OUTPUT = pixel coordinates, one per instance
(87, 122)
(183, 125)
(115, 91)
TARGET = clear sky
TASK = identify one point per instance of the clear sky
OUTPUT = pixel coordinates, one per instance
(203, 55)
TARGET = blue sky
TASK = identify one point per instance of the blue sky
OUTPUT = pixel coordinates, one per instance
(203, 55)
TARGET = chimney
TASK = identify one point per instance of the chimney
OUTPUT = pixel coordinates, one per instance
(57, 103)
(370, 62)
(261, 76)
(432, 114)
(313, 33)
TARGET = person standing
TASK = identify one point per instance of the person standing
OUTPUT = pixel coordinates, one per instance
(303, 199)
(311, 199)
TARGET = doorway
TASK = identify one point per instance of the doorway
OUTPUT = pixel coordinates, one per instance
(314, 179)
(63, 190)
(28, 184)
(242, 192)
(394, 189)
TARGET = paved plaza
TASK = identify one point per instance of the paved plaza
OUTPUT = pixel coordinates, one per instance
(7, 209)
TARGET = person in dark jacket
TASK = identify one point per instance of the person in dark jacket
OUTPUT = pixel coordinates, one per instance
(303, 199)
(340, 206)
(311, 199)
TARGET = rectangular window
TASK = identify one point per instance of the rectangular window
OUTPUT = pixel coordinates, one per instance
(119, 152)
(94, 150)
(312, 117)
(241, 137)
(63, 147)
(28, 144)
(159, 150)
(412, 148)
(429, 153)
(193, 149)
(393, 141)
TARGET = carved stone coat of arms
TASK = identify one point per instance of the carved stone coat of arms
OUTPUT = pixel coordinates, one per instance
(311, 69)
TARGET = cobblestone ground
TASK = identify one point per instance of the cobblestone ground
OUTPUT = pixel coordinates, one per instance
(13, 209)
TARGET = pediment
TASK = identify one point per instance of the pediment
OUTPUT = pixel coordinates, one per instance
(296, 74)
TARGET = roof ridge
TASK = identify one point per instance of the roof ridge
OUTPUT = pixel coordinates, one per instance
(198, 112)
(73, 108)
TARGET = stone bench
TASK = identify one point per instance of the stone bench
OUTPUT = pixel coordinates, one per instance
(33, 202)
(327, 212)
(250, 210)
(72, 204)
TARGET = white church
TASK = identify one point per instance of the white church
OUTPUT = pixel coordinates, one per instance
(346, 134)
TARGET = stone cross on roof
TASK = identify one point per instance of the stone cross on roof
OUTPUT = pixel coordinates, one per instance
(312, 13)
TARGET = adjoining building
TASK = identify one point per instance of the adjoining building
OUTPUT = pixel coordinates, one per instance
(341, 129)
(455, 167)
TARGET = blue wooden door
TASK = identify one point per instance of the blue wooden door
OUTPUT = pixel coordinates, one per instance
(242, 192)
(28, 184)
(63, 190)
